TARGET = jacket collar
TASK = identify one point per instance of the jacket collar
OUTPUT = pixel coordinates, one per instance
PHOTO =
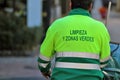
(79, 11)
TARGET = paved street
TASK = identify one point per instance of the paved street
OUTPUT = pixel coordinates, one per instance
(19, 68)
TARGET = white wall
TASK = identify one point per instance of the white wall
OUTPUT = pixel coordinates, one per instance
(34, 13)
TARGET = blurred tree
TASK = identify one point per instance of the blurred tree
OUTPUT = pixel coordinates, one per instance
(15, 36)
(46, 14)
(65, 6)
(46, 17)
(14, 1)
(3, 4)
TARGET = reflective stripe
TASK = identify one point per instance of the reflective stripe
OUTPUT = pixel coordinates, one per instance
(44, 65)
(77, 65)
(44, 58)
(103, 65)
(104, 60)
(78, 54)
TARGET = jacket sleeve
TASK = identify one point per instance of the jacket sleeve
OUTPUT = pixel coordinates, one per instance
(105, 47)
(46, 51)
(44, 64)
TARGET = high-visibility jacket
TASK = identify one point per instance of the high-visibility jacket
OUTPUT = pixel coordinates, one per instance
(81, 45)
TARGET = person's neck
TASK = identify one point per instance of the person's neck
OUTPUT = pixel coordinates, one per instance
(79, 11)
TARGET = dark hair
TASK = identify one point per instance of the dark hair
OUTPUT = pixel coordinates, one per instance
(85, 4)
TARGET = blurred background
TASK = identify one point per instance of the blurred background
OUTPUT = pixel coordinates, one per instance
(23, 24)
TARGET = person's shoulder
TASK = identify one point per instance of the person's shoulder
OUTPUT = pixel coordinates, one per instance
(99, 25)
(97, 22)
(62, 19)
(58, 23)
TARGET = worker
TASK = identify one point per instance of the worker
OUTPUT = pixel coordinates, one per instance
(80, 44)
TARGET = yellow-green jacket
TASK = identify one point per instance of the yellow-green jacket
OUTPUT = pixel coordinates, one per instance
(81, 45)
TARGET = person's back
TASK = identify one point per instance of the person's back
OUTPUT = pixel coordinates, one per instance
(79, 43)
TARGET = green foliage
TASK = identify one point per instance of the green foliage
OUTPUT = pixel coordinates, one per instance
(15, 36)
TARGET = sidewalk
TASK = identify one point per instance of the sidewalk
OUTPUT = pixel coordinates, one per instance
(19, 68)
